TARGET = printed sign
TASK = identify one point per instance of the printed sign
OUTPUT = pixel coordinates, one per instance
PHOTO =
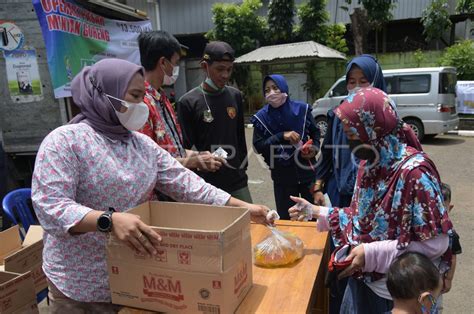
(465, 97)
(76, 37)
(24, 81)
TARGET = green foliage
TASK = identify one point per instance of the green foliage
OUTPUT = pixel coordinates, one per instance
(241, 27)
(460, 55)
(238, 24)
(313, 84)
(335, 39)
(378, 14)
(280, 21)
(378, 11)
(465, 6)
(313, 17)
(419, 57)
(435, 19)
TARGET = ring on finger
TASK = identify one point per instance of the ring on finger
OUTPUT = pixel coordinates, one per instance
(141, 237)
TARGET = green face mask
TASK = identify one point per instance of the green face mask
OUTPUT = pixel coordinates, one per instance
(211, 84)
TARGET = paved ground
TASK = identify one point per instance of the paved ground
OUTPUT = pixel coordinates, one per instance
(454, 157)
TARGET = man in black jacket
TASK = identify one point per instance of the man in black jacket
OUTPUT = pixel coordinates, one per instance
(211, 116)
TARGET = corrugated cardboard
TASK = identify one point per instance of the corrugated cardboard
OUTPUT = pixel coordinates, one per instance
(18, 257)
(204, 264)
(17, 293)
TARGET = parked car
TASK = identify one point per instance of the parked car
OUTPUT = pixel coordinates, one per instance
(425, 99)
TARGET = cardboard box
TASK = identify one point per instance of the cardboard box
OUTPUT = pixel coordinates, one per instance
(204, 264)
(18, 257)
(17, 293)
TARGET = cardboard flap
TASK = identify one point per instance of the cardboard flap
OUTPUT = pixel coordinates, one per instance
(34, 234)
(7, 276)
(17, 293)
(11, 242)
(192, 216)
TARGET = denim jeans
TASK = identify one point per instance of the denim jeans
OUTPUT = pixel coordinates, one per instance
(360, 299)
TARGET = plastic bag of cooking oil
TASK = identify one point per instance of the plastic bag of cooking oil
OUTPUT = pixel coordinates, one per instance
(278, 249)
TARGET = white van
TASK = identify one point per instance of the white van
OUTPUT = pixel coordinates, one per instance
(425, 99)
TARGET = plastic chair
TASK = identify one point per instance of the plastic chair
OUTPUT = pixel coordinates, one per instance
(15, 204)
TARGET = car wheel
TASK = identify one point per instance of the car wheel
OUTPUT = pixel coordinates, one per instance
(417, 128)
(322, 125)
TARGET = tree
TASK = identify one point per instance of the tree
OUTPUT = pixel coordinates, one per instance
(465, 6)
(238, 24)
(435, 20)
(379, 13)
(460, 55)
(373, 14)
(360, 30)
(280, 21)
(336, 39)
(241, 27)
(313, 17)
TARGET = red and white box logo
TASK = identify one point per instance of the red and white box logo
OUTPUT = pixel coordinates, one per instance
(161, 256)
(216, 284)
(184, 257)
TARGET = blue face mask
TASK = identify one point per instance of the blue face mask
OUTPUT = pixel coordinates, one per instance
(434, 306)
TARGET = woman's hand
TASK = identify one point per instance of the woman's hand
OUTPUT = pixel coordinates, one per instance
(302, 209)
(259, 213)
(357, 255)
(309, 152)
(292, 137)
(135, 233)
(319, 198)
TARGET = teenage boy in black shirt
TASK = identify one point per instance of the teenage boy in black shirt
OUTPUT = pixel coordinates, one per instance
(211, 116)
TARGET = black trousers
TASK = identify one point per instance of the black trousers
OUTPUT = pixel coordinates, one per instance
(282, 196)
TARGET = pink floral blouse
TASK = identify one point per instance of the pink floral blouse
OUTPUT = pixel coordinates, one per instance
(77, 170)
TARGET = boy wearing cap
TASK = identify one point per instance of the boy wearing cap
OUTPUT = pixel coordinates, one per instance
(212, 116)
(159, 55)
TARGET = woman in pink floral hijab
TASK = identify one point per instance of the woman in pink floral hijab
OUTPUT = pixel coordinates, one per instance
(397, 204)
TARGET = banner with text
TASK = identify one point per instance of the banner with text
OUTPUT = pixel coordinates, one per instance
(75, 37)
(465, 97)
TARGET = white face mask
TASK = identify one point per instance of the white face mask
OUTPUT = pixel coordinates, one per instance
(134, 117)
(356, 89)
(170, 80)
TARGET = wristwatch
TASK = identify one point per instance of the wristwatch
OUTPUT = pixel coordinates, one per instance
(104, 222)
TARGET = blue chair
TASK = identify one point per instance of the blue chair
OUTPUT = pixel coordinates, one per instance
(15, 204)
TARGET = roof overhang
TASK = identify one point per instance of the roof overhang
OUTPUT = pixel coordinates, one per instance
(290, 53)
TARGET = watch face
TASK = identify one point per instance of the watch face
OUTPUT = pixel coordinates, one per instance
(103, 223)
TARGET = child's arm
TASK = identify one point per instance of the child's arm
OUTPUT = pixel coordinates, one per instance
(379, 255)
(449, 275)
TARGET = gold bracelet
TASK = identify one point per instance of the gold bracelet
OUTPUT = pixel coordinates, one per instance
(318, 186)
